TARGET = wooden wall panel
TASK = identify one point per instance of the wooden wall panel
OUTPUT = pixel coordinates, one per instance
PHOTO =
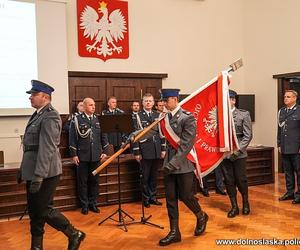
(260, 170)
(82, 87)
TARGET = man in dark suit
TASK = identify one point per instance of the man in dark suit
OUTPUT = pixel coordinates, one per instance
(114, 138)
(234, 166)
(179, 171)
(288, 141)
(87, 145)
(149, 151)
(41, 168)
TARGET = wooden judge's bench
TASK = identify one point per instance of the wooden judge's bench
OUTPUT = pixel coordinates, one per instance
(260, 170)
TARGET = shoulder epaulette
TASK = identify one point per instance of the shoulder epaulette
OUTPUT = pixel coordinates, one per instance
(186, 112)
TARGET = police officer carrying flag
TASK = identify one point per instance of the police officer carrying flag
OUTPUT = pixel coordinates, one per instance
(179, 171)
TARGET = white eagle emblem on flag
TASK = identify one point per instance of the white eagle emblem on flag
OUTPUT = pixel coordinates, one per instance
(105, 32)
(211, 124)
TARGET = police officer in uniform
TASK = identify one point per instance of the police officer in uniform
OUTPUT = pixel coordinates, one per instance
(288, 141)
(114, 138)
(160, 106)
(179, 171)
(135, 108)
(80, 110)
(87, 145)
(149, 151)
(234, 166)
(41, 168)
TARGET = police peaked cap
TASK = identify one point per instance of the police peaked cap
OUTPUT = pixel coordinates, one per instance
(165, 93)
(38, 86)
(232, 94)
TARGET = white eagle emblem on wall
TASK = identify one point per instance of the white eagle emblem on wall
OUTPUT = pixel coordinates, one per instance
(104, 31)
(211, 124)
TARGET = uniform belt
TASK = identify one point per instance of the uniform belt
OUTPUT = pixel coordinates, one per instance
(30, 148)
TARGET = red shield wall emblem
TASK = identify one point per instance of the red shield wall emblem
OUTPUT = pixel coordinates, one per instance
(103, 29)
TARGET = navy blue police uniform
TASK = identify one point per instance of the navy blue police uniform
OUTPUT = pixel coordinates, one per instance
(115, 138)
(150, 149)
(88, 143)
(288, 139)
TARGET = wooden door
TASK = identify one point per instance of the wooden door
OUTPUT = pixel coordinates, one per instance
(82, 87)
(126, 90)
(126, 87)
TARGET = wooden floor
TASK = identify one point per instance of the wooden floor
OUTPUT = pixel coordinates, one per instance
(268, 219)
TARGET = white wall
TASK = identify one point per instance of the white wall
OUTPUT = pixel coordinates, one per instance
(190, 40)
(271, 47)
(52, 50)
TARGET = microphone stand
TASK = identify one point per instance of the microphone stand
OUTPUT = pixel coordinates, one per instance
(144, 220)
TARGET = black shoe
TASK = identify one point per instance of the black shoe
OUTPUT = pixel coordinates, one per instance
(286, 197)
(221, 192)
(155, 202)
(146, 204)
(296, 201)
(202, 219)
(246, 208)
(173, 236)
(75, 241)
(95, 209)
(36, 243)
(75, 237)
(205, 193)
(233, 212)
(84, 210)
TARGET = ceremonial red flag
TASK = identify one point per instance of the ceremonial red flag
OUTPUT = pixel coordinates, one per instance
(215, 128)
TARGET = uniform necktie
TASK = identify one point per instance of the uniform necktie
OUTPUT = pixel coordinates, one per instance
(33, 115)
(170, 116)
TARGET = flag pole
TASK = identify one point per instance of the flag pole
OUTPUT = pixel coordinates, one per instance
(235, 66)
(133, 137)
